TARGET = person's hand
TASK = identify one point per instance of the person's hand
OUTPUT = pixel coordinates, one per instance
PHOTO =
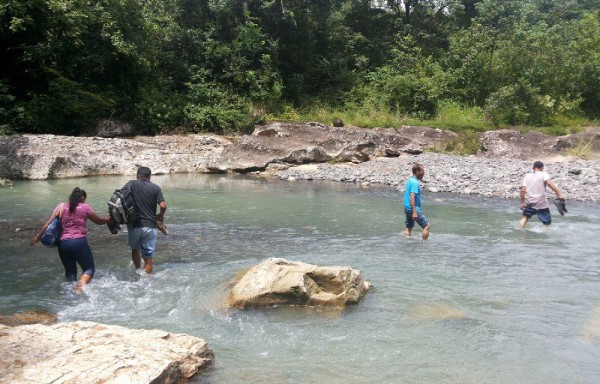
(34, 240)
(415, 216)
(522, 206)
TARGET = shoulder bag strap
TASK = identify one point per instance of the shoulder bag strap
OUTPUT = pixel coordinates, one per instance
(60, 210)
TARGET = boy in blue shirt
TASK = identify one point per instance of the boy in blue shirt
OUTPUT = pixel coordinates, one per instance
(412, 202)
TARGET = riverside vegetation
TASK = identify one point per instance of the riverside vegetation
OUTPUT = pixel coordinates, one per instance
(223, 66)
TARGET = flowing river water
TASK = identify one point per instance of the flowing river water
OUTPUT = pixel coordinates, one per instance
(481, 301)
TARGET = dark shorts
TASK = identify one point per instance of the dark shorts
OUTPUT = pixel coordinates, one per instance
(73, 252)
(542, 214)
(410, 223)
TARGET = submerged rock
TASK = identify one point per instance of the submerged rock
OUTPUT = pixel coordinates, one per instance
(278, 281)
(434, 312)
(87, 352)
(29, 317)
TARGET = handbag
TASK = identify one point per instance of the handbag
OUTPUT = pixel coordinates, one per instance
(52, 231)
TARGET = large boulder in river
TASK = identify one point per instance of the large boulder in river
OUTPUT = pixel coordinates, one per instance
(86, 352)
(278, 281)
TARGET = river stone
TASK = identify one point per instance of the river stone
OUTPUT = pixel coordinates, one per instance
(35, 316)
(278, 281)
(87, 352)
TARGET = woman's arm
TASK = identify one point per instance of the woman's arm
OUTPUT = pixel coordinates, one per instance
(98, 220)
(39, 236)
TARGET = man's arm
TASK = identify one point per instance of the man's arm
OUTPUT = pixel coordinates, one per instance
(413, 205)
(555, 189)
(163, 209)
(523, 192)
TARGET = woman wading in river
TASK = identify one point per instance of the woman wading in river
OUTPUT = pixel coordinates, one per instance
(73, 247)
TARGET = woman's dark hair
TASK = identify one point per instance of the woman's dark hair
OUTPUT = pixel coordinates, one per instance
(75, 198)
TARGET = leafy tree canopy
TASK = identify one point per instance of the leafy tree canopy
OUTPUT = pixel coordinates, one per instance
(223, 65)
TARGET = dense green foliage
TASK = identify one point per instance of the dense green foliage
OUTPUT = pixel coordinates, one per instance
(224, 65)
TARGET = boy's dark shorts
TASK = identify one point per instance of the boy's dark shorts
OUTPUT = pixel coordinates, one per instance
(410, 223)
(542, 214)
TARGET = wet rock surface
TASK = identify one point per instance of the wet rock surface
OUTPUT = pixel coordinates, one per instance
(29, 317)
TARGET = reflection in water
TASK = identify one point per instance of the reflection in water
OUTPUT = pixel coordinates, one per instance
(480, 302)
(591, 329)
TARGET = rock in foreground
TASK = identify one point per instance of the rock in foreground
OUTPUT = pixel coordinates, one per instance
(86, 352)
(281, 282)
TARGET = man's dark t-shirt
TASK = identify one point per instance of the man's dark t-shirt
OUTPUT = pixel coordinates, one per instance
(147, 195)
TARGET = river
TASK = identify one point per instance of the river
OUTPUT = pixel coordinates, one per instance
(481, 301)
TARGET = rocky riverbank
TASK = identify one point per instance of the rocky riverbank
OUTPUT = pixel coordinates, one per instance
(472, 175)
(318, 152)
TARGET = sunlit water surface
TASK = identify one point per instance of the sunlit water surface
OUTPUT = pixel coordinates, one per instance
(480, 302)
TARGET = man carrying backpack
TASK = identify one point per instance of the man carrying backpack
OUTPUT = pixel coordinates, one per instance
(142, 231)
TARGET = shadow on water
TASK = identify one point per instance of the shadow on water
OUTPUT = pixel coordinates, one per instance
(481, 301)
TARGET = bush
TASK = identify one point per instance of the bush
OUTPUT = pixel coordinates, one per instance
(456, 117)
(159, 110)
(519, 104)
(413, 85)
(211, 107)
(466, 143)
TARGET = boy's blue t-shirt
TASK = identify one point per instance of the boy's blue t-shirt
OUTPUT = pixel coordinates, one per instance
(412, 186)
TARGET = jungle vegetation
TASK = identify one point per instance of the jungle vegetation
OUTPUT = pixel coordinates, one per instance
(224, 65)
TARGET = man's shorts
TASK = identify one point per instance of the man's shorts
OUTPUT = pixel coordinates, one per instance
(143, 238)
(410, 223)
(542, 214)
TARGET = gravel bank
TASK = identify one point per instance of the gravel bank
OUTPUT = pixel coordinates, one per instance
(578, 179)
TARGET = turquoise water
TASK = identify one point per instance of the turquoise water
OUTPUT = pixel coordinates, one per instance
(480, 302)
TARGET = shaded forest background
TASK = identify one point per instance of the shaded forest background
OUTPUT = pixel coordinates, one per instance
(222, 65)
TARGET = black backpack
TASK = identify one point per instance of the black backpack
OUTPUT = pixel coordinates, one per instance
(121, 206)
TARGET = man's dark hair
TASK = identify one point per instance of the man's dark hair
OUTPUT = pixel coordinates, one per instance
(416, 168)
(538, 164)
(144, 173)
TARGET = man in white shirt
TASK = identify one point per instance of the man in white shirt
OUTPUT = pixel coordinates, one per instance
(533, 195)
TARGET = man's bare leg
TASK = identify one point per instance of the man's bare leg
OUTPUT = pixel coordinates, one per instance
(407, 232)
(148, 265)
(524, 220)
(136, 256)
(426, 232)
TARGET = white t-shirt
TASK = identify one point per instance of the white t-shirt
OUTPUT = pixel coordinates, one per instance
(535, 190)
